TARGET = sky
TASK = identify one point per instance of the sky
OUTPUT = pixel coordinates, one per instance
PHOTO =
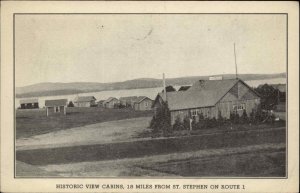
(119, 47)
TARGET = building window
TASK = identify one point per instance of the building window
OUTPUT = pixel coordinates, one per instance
(56, 109)
(194, 113)
(239, 107)
(146, 104)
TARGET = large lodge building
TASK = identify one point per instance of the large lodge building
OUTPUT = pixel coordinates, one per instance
(210, 98)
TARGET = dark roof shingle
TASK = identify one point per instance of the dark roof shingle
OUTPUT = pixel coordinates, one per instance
(109, 99)
(141, 98)
(203, 93)
(84, 99)
(25, 101)
(57, 102)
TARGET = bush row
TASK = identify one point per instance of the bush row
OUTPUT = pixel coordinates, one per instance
(255, 117)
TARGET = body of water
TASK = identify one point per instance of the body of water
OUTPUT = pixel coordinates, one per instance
(149, 92)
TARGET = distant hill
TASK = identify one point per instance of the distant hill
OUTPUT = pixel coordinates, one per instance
(52, 89)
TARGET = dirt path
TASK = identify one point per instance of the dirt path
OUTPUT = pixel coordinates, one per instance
(113, 131)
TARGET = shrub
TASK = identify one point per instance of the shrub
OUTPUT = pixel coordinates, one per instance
(221, 120)
(201, 117)
(71, 104)
(269, 96)
(232, 117)
(252, 117)
(178, 125)
(244, 119)
(161, 123)
(212, 122)
(186, 123)
(121, 106)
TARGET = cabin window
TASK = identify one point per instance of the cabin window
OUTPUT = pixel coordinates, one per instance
(146, 104)
(194, 112)
(239, 107)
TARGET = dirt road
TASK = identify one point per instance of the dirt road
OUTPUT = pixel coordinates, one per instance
(100, 133)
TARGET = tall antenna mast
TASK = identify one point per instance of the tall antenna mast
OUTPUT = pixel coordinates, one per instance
(236, 71)
(164, 85)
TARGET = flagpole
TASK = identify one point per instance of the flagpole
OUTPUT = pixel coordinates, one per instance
(236, 72)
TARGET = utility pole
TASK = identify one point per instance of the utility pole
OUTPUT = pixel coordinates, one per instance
(164, 85)
(236, 71)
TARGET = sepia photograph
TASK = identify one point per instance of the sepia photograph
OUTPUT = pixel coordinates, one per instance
(150, 95)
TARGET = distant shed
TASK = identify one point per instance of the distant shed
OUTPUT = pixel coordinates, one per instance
(56, 107)
(128, 101)
(143, 104)
(85, 101)
(111, 103)
(29, 103)
(100, 103)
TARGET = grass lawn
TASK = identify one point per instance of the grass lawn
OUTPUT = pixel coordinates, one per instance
(199, 163)
(219, 129)
(132, 149)
(98, 133)
(251, 164)
(32, 122)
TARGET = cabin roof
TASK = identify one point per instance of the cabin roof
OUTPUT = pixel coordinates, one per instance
(109, 99)
(184, 88)
(141, 98)
(129, 98)
(84, 99)
(25, 101)
(203, 93)
(57, 102)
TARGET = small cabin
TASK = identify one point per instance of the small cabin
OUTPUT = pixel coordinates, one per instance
(100, 103)
(85, 101)
(56, 107)
(29, 104)
(143, 104)
(128, 101)
(111, 103)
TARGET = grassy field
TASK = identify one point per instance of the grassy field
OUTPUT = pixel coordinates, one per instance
(98, 133)
(150, 147)
(242, 150)
(249, 164)
(32, 122)
(264, 160)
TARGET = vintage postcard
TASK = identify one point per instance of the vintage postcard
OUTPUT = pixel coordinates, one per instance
(149, 96)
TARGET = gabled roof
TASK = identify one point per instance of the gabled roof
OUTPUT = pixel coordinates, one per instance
(25, 101)
(203, 93)
(109, 99)
(129, 98)
(84, 99)
(141, 98)
(184, 88)
(100, 101)
(58, 102)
